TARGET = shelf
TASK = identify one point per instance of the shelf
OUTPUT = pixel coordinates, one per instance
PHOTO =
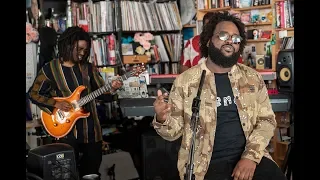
(259, 24)
(153, 32)
(92, 34)
(283, 29)
(253, 8)
(257, 40)
(265, 70)
(215, 9)
(163, 78)
(100, 33)
(268, 76)
(190, 26)
(106, 66)
(236, 9)
(169, 78)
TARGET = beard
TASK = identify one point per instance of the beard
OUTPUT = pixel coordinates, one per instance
(217, 57)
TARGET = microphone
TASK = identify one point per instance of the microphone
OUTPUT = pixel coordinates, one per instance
(196, 100)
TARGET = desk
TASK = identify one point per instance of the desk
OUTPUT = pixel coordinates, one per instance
(137, 106)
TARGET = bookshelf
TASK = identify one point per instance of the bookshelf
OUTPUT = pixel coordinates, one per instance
(282, 29)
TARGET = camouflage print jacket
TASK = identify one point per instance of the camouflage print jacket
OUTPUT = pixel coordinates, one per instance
(255, 111)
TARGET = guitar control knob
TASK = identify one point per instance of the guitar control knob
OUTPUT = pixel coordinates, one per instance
(68, 121)
(55, 124)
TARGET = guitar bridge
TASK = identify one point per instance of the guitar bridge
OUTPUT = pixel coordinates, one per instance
(62, 116)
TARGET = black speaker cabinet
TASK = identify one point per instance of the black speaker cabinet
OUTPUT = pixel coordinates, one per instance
(52, 162)
(159, 157)
(285, 70)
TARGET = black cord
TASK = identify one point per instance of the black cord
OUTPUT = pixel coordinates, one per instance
(73, 175)
(33, 176)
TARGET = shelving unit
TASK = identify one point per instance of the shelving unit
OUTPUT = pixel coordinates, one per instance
(281, 147)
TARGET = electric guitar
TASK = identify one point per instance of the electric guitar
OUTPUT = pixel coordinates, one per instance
(60, 123)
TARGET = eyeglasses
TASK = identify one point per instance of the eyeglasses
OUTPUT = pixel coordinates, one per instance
(223, 36)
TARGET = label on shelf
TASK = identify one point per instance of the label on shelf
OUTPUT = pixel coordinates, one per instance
(283, 34)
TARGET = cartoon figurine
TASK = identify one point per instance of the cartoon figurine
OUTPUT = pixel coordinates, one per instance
(255, 34)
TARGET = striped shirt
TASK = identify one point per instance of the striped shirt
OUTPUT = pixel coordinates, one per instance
(56, 80)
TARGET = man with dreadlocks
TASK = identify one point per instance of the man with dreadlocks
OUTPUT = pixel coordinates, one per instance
(59, 78)
(236, 121)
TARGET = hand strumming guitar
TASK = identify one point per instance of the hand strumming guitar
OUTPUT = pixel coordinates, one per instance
(63, 105)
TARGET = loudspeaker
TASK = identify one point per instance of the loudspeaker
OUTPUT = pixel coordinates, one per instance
(260, 62)
(160, 157)
(285, 70)
(52, 162)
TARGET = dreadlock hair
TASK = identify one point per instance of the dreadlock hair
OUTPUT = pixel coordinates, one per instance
(208, 29)
(68, 41)
(207, 16)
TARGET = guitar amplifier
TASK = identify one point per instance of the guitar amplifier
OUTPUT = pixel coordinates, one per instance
(52, 162)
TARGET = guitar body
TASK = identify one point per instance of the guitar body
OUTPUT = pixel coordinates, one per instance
(60, 123)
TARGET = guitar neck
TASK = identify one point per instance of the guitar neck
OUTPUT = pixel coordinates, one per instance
(91, 96)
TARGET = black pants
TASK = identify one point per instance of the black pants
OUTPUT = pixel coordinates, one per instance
(91, 158)
(265, 170)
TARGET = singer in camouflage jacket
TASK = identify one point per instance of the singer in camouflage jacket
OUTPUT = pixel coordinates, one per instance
(254, 108)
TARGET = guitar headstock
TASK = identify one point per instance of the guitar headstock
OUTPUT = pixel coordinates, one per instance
(136, 70)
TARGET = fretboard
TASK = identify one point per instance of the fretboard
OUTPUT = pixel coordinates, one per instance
(98, 92)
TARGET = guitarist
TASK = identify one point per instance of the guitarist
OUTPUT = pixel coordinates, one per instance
(59, 78)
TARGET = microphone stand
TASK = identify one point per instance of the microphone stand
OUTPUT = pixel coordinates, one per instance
(194, 124)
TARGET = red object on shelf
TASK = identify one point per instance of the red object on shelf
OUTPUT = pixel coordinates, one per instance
(273, 91)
